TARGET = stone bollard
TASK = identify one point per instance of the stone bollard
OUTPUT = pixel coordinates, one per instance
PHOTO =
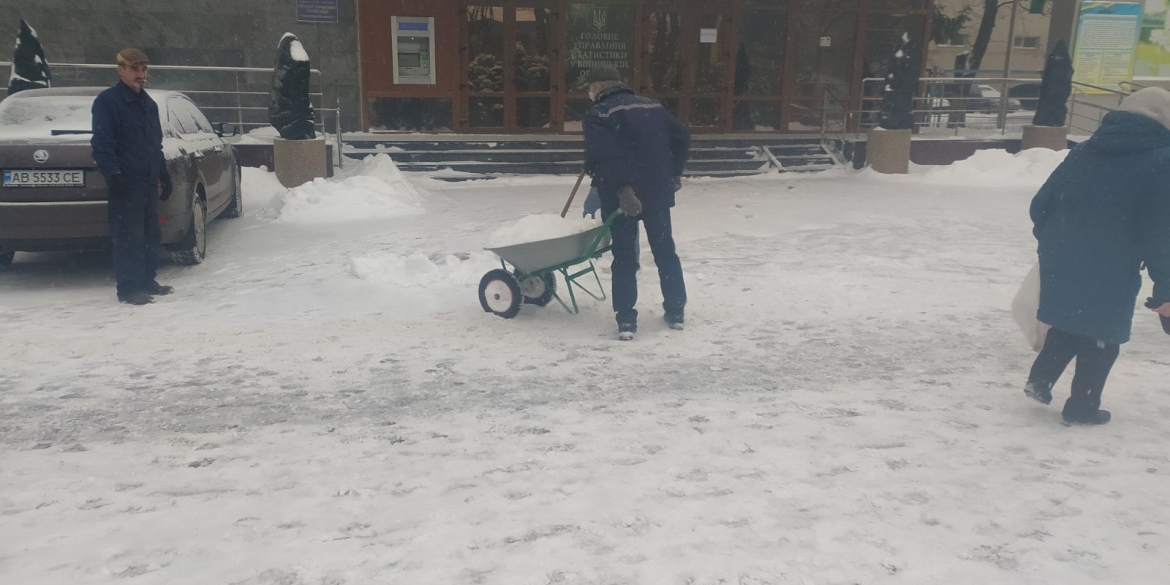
(888, 151)
(1050, 137)
(299, 161)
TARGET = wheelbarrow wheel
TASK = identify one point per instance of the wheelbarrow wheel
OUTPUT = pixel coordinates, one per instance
(538, 290)
(499, 293)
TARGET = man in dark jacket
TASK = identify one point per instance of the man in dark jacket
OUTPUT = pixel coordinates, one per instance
(1103, 213)
(636, 150)
(127, 146)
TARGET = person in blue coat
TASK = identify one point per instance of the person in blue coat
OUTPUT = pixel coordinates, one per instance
(127, 147)
(1101, 216)
(637, 151)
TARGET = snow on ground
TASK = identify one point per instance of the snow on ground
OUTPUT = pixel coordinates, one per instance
(326, 403)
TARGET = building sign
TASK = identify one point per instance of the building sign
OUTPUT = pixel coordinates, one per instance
(317, 11)
(1106, 43)
(600, 34)
(1153, 52)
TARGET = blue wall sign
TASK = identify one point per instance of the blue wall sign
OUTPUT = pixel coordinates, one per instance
(317, 11)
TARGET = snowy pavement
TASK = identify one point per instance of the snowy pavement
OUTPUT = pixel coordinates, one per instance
(324, 402)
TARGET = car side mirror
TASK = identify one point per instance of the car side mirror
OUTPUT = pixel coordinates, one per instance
(225, 130)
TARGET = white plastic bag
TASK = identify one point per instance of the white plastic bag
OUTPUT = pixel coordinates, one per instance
(1024, 309)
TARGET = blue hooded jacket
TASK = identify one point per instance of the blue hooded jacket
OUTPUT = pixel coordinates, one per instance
(633, 140)
(1103, 213)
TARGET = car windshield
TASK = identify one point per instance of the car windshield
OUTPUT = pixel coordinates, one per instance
(43, 116)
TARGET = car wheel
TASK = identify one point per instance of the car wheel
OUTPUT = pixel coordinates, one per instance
(195, 244)
(6, 259)
(236, 207)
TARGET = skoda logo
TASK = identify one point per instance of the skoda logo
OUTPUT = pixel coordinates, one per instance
(41, 156)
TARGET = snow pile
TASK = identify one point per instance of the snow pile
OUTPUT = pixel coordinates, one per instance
(535, 228)
(422, 271)
(994, 168)
(261, 188)
(376, 189)
(261, 135)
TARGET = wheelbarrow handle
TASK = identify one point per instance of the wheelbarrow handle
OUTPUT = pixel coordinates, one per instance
(568, 203)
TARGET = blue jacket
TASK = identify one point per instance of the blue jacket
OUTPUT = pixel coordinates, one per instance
(633, 140)
(127, 134)
(1104, 211)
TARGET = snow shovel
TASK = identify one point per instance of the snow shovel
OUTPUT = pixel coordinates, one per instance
(580, 178)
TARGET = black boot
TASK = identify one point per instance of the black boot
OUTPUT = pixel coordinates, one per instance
(1096, 417)
(626, 331)
(136, 298)
(154, 288)
(675, 321)
(1039, 391)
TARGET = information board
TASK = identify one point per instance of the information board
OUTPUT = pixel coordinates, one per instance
(1106, 43)
(317, 11)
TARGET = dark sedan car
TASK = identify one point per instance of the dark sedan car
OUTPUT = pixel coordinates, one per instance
(54, 198)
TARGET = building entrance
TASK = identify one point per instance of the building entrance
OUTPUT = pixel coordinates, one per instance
(733, 66)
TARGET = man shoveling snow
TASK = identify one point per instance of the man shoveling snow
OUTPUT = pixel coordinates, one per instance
(637, 151)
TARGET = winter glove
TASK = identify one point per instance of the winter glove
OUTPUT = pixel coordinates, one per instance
(677, 184)
(117, 185)
(164, 187)
(1161, 309)
(628, 201)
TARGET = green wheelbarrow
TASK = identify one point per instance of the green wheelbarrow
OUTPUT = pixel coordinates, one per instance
(532, 277)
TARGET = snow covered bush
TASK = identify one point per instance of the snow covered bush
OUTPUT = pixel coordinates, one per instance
(1055, 87)
(289, 109)
(29, 68)
(897, 112)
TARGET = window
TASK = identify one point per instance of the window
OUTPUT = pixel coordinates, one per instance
(181, 117)
(957, 40)
(200, 120)
(1027, 43)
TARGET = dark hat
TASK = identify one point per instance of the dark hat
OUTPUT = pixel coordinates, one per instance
(132, 56)
(602, 74)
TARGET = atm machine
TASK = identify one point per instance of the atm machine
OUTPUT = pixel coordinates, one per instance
(414, 50)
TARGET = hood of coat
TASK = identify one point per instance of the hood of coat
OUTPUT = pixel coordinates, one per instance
(1123, 132)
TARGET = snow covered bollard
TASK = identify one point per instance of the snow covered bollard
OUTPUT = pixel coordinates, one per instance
(298, 155)
(537, 247)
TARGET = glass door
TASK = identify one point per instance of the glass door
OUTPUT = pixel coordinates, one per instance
(511, 61)
(821, 59)
(686, 56)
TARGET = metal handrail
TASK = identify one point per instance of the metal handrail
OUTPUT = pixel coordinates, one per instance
(931, 112)
(831, 146)
(239, 108)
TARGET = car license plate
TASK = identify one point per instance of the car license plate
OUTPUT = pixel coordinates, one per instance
(54, 178)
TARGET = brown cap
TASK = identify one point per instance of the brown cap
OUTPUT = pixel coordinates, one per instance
(132, 57)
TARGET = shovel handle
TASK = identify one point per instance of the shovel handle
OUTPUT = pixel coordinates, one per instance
(568, 203)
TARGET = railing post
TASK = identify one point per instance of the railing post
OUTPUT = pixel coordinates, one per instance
(239, 104)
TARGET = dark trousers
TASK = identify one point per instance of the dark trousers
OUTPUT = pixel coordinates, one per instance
(1094, 362)
(625, 264)
(135, 235)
